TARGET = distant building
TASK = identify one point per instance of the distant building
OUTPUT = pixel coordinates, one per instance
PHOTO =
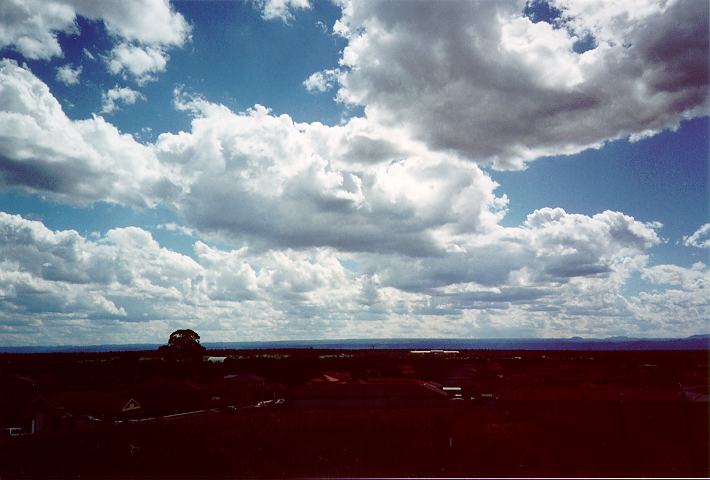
(435, 352)
(331, 377)
(34, 416)
(22, 407)
(243, 388)
(587, 392)
(376, 393)
(42, 415)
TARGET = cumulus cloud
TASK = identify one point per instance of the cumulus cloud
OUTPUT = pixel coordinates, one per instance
(352, 187)
(549, 249)
(174, 227)
(683, 304)
(700, 238)
(142, 63)
(68, 75)
(143, 29)
(354, 230)
(102, 285)
(693, 278)
(112, 98)
(31, 26)
(280, 9)
(125, 276)
(321, 81)
(150, 22)
(484, 80)
(301, 185)
(93, 162)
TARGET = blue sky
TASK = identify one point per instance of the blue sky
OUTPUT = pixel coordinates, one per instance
(292, 169)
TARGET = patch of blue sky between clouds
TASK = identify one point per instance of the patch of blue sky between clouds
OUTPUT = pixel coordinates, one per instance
(238, 59)
(542, 11)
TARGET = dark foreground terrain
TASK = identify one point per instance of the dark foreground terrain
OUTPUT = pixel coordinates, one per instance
(357, 413)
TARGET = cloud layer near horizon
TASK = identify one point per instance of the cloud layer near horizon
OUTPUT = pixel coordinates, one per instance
(555, 281)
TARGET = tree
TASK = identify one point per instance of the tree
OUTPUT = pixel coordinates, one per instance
(184, 344)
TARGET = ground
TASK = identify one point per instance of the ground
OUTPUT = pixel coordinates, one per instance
(651, 431)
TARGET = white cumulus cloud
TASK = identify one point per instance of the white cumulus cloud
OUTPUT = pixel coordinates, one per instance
(321, 81)
(481, 79)
(700, 238)
(61, 287)
(280, 9)
(93, 162)
(361, 229)
(68, 75)
(140, 62)
(142, 29)
(112, 98)
(302, 185)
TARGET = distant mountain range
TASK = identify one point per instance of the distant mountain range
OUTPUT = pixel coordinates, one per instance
(694, 342)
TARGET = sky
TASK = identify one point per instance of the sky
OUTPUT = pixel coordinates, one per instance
(299, 169)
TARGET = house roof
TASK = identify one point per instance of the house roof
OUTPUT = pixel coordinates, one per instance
(244, 378)
(166, 384)
(331, 377)
(376, 388)
(93, 402)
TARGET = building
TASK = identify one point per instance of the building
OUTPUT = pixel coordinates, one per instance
(244, 388)
(167, 395)
(84, 404)
(375, 393)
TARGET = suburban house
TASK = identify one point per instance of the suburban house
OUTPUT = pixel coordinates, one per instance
(331, 377)
(243, 388)
(374, 393)
(168, 395)
(84, 405)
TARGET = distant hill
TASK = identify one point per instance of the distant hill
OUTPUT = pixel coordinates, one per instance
(694, 342)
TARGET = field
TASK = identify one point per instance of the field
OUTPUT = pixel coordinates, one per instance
(632, 418)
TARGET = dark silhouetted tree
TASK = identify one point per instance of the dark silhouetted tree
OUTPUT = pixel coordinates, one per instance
(183, 345)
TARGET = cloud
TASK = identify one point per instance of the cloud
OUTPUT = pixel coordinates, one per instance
(321, 81)
(351, 187)
(143, 30)
(693, 278)
(142, 63)
(306, 185)
(682, 305)
(60, 287)
(485, 81)
(549, 249)
(700, 238)
(68, 75)
(280, 9)
(93, 162)
(148, 22)
(31, 26)
(174, 227)
(351, 230)
(119, 95)
(124, 276)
